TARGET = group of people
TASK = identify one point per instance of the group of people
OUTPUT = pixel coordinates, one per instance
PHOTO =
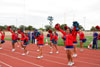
(69, 39)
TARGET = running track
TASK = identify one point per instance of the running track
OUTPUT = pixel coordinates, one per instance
(88, 58)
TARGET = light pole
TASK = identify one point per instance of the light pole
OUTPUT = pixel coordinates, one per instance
(50, 18)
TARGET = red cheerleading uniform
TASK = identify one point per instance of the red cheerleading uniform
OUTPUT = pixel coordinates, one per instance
(2, 36)
(22, 36)
(69, 38)
(13, 35)
(51, 36)
(74, 34)
(55, 37)
(40, 40)
(26, 39)
(81, 35)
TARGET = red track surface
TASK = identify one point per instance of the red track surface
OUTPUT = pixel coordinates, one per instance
(88, 58)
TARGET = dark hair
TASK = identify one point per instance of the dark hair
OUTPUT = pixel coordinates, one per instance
(69, 29)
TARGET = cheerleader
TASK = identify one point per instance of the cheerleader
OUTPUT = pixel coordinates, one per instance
(2, 39)
(68, 43)
(40, 44)
(25, 43)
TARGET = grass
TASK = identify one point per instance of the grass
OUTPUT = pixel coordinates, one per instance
(60, 41)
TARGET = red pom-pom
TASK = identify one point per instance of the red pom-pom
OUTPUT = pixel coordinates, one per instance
(50, 31)
(97, 27)
(8, 28)
(19, 31)
(57, 26)
(65, 27)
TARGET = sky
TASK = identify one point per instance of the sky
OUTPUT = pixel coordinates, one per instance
(35, 12)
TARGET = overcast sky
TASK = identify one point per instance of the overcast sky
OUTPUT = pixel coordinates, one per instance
(35, 12)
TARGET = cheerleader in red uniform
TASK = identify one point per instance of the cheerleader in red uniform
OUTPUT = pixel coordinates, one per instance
(54, 41)
(40, 44)
(82, 38)
(13, 38)
(25, 43)
(2, 39)
(68, 43)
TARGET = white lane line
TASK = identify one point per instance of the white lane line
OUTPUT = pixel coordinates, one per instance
(75, 60)
(21, 60)
(5, 64)
(59, 58)
(41, 59)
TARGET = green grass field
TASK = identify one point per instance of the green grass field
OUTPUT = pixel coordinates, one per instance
(60, 41)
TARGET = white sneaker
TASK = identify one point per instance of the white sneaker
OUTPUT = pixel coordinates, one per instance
(69, 64)
(13, 50)
(57, 52)
(38, 50)
(1, 48)
(23, 54)
(39, 57)
(22, 48)
(27, 52)
(72, 63)
(51, 52)
(74, 55)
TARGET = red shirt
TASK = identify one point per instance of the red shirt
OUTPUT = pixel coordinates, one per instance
(41, 40)
(22, 36)
(13, 35)
(74, 34)
(81, 35)
(26, 38)
(51, 36)
(2, 37)
(69, 38)
(55, 37)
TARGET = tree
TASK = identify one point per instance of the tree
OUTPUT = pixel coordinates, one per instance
(48, 27)
(81, 27)
(93, 28)
(22, 27)
(41, 29)
(62, 26)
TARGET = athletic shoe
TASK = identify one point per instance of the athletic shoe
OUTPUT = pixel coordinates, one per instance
(39, 57)
(27, 52)
(23, 54)
(72, 63)
(1, 48)
(74, 55)
(22, 48)
(38, 50)
(51, 52)
(57, 52)
(69, 64)
(13, 50)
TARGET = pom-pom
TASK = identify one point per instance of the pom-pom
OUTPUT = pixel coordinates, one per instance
(50, 31)
(19, 31)
(75, 24)
(57, 26)
(77, 29)
(8, 28)
(48, 35)
(65, 27)
(97, 27)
